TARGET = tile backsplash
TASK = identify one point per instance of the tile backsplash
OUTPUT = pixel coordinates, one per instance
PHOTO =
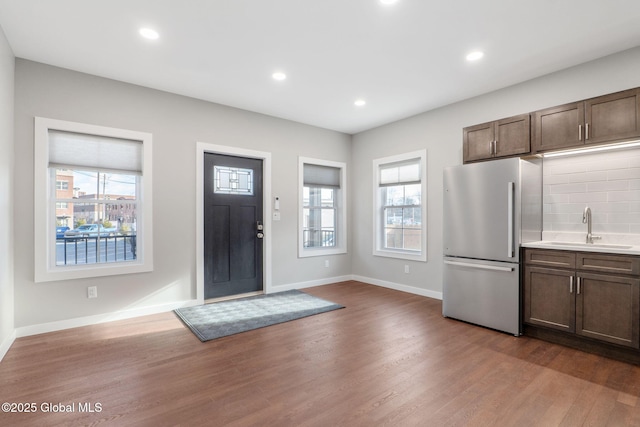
(608, 182)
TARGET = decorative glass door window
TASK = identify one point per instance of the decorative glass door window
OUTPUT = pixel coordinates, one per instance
(229, 180)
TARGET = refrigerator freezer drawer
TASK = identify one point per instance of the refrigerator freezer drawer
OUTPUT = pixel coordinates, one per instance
(485, 293)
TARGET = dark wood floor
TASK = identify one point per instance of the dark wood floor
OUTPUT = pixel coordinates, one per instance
(388, 358)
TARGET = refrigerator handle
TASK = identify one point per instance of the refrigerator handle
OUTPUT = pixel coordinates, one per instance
(510, 186)
(479, 266)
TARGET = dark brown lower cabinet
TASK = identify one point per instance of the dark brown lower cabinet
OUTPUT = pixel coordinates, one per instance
(608, 308)
(549, 301)
(600, 306)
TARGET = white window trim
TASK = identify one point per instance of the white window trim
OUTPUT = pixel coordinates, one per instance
(341, 215)
(378, 247)
(44, 219)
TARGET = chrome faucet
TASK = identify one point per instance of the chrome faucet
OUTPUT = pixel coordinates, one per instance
(586, 219)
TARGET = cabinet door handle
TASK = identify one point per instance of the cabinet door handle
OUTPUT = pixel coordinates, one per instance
(579, 132)
(578, 288)
(586, 131)
(571, 284)
(491, 148)
(495, 147)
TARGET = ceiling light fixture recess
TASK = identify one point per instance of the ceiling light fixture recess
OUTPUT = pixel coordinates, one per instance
(279, 76)
(148, 33)
(475, 55)
(388, 2)
(360, 102)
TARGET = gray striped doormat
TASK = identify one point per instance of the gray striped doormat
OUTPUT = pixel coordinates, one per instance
(220, 319)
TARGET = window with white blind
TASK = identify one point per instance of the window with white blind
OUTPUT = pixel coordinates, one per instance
(92, 201)
(322, 207)
(400, 208)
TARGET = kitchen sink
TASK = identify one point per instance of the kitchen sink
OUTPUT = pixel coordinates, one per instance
(591, 245)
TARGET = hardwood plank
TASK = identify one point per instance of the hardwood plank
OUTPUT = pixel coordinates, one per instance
(389, 358)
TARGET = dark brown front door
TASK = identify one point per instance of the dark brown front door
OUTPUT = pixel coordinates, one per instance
(232, 225)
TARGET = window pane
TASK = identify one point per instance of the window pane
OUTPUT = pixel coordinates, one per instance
(319, 217)
(399, 198)
(412, 217)
(96, 222)
(327, 197)
(393, 238)
(117, 186)
(412, 238)
(412, 194)
(95, 249)
(328, 219)
(305, 196)
(84, 182)
(393, 217)
(403, 224)
(394, 196)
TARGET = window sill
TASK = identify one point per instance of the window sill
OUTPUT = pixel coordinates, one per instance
(410, 256)
(84, 272)
(312, 252)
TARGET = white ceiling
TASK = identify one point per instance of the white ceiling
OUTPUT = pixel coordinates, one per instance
(402, 59)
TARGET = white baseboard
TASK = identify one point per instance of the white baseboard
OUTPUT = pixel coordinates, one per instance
(101, 318)
(368, 280)
(399, 287)
(6, 344)
(309, 284)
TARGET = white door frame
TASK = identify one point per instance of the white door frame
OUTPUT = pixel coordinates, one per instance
(201, 149)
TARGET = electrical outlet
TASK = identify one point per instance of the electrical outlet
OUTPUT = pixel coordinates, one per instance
(407, 269)
(92, 292)
(326, 263)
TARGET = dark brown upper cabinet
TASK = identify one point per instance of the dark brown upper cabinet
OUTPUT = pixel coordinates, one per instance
(608, 118)
(501, 138)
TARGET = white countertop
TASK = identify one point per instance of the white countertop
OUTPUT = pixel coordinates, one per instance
(613, 248)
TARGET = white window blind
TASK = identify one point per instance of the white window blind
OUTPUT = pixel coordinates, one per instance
(73, 150)
(321, 176)
(402, 173)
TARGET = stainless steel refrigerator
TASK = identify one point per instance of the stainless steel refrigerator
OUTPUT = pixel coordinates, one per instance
(490, 208)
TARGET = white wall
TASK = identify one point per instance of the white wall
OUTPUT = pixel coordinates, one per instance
(440, 132)
(7, 63)
(177, 124)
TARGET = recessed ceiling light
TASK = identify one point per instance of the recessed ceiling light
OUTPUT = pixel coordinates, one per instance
(474, 56)
(279, 76)
(148, 33)
(388, 2)
(360, 102)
